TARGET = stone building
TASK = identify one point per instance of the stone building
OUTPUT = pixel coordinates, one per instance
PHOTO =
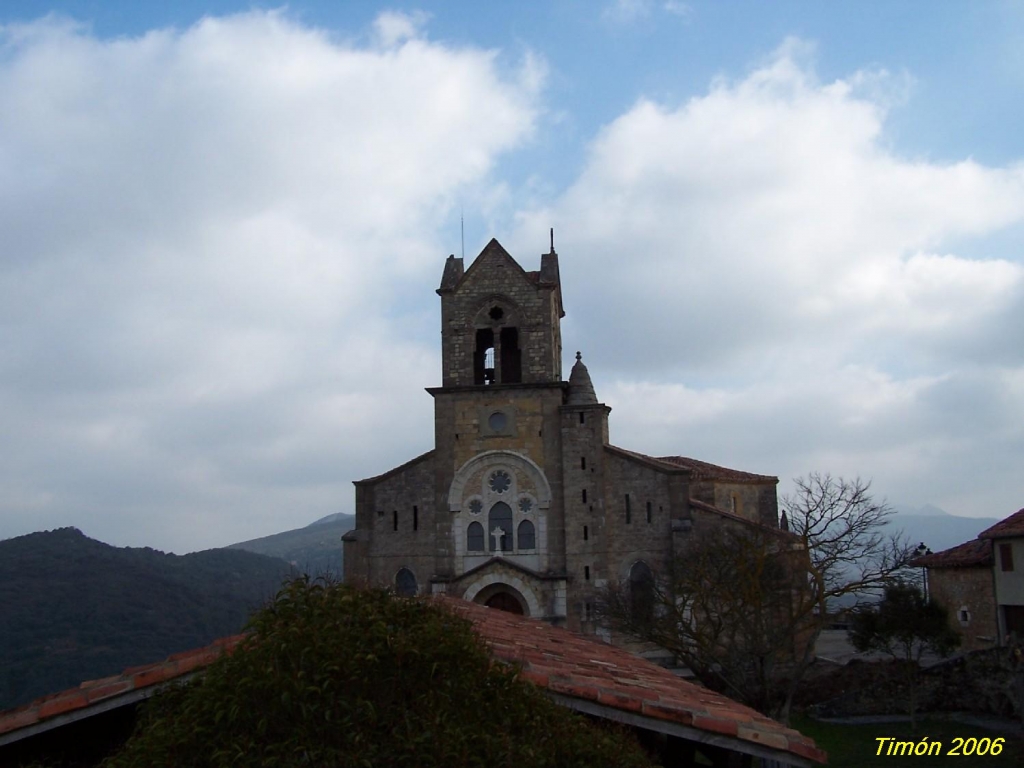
(523, 503)
(980, 586)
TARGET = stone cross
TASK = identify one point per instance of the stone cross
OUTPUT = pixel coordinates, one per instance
(498, 533)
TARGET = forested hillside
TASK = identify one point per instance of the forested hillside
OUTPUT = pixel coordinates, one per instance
(74, 609)
(314, 550)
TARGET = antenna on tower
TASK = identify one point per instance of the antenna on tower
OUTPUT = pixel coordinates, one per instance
(462, 231)
(552, 239)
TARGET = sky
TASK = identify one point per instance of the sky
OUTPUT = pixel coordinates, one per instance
(790, 237)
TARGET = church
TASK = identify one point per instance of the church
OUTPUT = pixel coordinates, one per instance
(524, 504)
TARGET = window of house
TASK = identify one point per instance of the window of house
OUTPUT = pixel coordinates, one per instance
(527, 535)
(1006, 556)
(405, 583)
(499, 526)
(475, 538)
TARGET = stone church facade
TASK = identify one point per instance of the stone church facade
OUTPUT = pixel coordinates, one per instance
(523, 503)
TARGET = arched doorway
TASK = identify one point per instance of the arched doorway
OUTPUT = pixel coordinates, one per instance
(503, 601)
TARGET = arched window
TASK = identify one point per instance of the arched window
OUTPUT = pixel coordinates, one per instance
(527, 535)
(475, 538)
(499, 525)
(641, 592)
(405, 583)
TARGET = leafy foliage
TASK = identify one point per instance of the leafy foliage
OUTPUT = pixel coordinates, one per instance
(76, 609)
(334, 676)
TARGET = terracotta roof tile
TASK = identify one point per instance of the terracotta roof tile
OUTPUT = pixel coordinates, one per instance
(1011, 526)
(132, 679)
(977, 552)
(593, 671)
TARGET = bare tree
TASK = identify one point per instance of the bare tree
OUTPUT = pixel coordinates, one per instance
(744, 603)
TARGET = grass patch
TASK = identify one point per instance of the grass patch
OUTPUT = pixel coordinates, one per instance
(855, 746)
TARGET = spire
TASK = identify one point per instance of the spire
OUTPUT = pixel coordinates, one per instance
(581, 388)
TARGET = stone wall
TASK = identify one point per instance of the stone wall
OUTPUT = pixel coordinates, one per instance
(966, 593)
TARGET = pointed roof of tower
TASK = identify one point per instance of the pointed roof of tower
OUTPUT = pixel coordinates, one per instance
(581, 388)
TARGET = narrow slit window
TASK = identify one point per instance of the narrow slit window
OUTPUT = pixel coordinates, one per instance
(586, 533)
(581, 417)
(629, 511)
(583, 462)
(586, 572)
(415, 518)
(584, 495)
(648, 511)
(394, 520)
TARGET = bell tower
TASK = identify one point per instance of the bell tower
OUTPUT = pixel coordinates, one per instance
(500, 324)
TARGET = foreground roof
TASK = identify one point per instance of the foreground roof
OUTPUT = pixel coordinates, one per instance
(1011, 526)
(585, 675)
(95, 696)
(602, 680)
(977, 552)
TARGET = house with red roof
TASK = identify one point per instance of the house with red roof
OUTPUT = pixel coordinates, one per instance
(981, 584)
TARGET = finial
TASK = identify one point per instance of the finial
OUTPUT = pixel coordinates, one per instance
(552, 240)
(579, 357)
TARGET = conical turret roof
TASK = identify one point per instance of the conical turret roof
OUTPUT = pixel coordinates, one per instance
(581, 388)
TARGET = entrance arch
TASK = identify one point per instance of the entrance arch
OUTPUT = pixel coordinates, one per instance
(503, 601)
(501, 591)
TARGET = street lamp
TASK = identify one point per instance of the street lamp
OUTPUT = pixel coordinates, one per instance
(921, 551)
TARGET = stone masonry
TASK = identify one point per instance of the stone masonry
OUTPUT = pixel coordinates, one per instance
(523, 503)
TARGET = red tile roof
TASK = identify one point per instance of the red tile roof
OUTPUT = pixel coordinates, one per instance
(131, 685)
(1011, 526)
(584, 674)
(977, 552)
(607, 681)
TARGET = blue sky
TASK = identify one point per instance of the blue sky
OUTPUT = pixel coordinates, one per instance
(790, 234)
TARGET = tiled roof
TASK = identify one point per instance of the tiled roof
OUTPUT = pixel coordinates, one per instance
(131, 685)
(977, 552)
(702, 470)
(607, 681)
(1011, 526)
(586, 675)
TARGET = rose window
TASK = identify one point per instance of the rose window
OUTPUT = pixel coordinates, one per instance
(500, 481)
(525, 505)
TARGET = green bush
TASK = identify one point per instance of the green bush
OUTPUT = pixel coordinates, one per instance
(334, 676)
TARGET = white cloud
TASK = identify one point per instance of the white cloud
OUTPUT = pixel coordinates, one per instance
(765, 245)
(209, 236)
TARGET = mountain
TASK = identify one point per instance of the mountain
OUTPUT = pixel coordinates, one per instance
(75, 609)
(937, 528)
(314, 549)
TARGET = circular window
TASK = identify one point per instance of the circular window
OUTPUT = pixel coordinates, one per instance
(496, 313)
(525, 505)
(497, 421)
(500, 481)
(476, 507)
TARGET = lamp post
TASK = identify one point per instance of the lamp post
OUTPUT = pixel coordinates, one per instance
(920, 551)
